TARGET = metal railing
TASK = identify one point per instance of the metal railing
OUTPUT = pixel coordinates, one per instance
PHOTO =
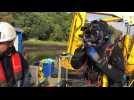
(63, 62)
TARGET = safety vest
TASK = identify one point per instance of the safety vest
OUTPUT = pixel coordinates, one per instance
(17, 69)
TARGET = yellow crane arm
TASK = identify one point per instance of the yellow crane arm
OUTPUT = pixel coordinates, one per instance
(112, 19)
(74, 39)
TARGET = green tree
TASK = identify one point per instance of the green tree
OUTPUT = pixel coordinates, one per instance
(54, 24)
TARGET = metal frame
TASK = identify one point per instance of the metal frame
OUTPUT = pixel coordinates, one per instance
(60, 66)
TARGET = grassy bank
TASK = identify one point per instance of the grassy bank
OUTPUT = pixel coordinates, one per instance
(36, 42)
(40, 55)
(43, 49)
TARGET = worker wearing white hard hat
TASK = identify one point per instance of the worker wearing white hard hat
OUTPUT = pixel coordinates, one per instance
(13, 67)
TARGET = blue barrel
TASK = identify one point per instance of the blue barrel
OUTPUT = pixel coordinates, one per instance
(48, 67)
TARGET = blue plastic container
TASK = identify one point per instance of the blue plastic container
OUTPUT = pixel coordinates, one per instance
(48, 67)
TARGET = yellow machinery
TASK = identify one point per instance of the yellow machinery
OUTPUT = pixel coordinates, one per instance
(128, 52)
(79, 19)
(41, 77)
(74, 39)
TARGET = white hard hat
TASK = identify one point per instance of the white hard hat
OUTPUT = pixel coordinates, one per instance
(7, 32)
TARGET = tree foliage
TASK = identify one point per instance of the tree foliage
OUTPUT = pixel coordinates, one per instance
(53, 25)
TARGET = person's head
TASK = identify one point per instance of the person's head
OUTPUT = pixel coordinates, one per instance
(97, 31)
(7, 36)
